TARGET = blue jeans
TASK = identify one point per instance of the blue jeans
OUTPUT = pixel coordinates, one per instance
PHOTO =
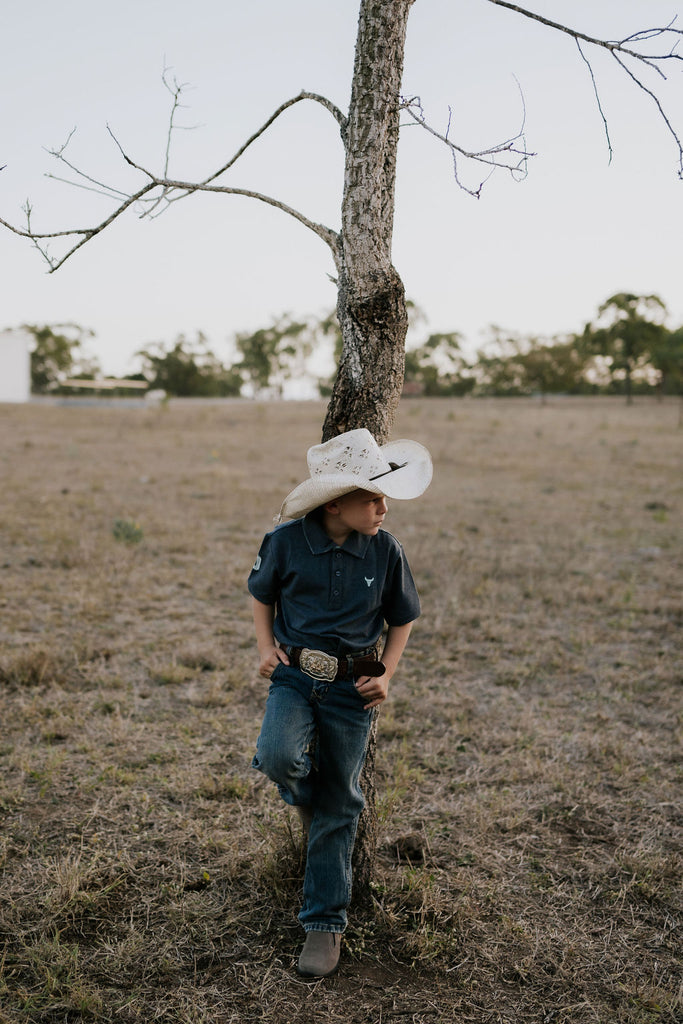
(313, 743)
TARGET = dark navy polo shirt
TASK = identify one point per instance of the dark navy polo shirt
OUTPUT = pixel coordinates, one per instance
(335, 599)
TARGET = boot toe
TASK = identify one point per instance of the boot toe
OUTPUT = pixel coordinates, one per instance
(320, 955)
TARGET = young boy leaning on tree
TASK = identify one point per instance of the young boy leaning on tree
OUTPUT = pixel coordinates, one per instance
(323, 587)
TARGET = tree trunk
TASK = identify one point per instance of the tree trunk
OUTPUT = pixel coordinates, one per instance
(371, 300)
(369, 380)
(371, 305)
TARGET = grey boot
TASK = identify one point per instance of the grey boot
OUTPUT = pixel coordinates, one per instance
(320, 955)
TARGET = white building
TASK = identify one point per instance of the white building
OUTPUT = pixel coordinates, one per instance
(15, 365)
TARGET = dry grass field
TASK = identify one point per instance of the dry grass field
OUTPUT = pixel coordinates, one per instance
(529, 755)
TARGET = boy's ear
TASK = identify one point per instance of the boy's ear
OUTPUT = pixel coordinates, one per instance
(332, 507)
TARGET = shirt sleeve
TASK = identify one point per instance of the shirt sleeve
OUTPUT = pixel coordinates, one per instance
(401, 599)
(264, 582)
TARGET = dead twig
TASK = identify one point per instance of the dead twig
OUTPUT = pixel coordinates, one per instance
(623, 50)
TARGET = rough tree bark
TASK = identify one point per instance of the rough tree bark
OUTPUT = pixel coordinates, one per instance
(371, 305)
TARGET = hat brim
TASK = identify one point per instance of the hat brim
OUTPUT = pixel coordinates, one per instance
(409, 481)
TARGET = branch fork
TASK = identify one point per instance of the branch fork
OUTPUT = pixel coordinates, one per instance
(512, 154)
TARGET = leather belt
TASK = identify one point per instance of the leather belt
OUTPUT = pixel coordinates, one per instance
(319, 665)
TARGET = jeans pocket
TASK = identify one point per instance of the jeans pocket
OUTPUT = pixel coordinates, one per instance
(275, 671)
(348, 686)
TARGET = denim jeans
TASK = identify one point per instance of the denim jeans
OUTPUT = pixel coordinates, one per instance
(312, 744)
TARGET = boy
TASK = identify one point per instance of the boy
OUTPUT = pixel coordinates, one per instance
(323, 586)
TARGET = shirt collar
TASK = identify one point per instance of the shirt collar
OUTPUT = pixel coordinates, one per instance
(355, 544)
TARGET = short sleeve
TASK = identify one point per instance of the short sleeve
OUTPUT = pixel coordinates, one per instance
(401, 599)
(263, 582)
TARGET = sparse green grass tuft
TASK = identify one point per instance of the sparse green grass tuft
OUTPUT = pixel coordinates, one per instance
(127, 531)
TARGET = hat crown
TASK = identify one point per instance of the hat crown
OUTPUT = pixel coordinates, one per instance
(355, 452)
(354, 461)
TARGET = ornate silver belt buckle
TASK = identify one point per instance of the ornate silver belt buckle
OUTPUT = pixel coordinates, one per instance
(318, 665)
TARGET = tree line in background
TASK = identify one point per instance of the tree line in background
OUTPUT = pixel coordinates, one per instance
(626, 349)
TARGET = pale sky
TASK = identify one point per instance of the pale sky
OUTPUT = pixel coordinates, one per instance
(537, 256)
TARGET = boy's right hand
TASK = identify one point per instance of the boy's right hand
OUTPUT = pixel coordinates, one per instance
(270, 659)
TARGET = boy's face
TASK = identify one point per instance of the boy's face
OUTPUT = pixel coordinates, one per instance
(360, 510)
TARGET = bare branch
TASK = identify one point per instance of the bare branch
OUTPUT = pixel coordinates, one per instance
(494, 157)
(175, 90)
(622, 50)
(315, 97)
(655, 99)
(86, 233)
(98, 186)
(58, 152)
(340, 118)
(42, 249)
(166, 186)
(511, 154)
(597, 99)
(104, 190)
(330, 237)
(609, 44)
(334, 110)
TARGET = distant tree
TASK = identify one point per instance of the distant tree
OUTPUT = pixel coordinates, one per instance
(667, 359)
(274, 354)
(189, 369)
(554, 366)
(519, 365)
(632, 332)
(58, 353)
(498, 368)
(438, 367)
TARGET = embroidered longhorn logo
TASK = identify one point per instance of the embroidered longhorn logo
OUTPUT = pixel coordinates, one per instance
(369, 581)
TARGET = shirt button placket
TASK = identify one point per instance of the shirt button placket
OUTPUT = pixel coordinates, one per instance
(337, 580)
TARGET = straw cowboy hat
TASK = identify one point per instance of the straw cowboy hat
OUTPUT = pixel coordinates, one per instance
(354, 460)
